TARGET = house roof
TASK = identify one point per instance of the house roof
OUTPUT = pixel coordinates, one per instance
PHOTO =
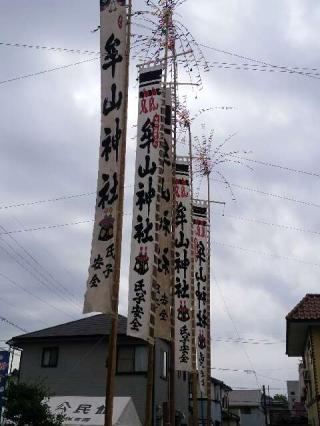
(245, 398)
(304, 315)
(96, 325)
(307, 309)
(222, 384)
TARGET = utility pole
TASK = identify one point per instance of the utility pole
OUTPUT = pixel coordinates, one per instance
(265, 404)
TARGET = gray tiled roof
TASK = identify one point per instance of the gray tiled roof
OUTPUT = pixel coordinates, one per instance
(91, 326)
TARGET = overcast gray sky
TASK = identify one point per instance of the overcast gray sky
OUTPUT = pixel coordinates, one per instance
(49, 132)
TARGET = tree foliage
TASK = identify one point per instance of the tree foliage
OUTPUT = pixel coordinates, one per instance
(25, 406)
(280, 398)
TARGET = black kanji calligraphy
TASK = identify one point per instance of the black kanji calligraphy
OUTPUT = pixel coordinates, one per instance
(112, 56)
(147, 170)
(145, 196)
(110, 251)
(182, 289)
(83, 408)
(201, 295)
(142, 234)
(147, 137)
(139, 292)
(108, 270)
(97, 263)
(182, 263)
(202, 319)
(200, 276)
(181, 216)
(111, 142)
(109, 193)
(163, 263)
(113, 103)
(182, 241)
(201, 253)
(94, 281)
(165, 223)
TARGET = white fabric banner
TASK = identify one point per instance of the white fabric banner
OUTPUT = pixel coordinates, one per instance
(164, 273)
(113, 69)
(143, 265)
(200, 244)
(183, 306)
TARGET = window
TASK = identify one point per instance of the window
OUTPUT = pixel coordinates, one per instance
(132, 359)
(164, 365)
(50, 357)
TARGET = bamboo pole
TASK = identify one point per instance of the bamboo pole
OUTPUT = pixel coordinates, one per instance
(151, 350)
(112, 344)
(194, 377)
(174, 156)
(208, 308)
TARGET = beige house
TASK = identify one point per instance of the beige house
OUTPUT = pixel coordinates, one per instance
(303, 340)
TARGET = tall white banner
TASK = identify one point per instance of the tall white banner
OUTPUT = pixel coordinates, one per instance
(113, 88)
(143, 260)
(200, 244)
(165, 258)
(183, 305)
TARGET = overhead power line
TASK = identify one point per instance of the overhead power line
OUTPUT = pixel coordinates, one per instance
(48, 48)
(48, 200)
(264, 222)
(258, 61)
(3, 319)
(35, 296)
(35, 74)
(257, 68)
(272, 255)
(236, 330)
(265, 163)
(39, 278)
(258, 191)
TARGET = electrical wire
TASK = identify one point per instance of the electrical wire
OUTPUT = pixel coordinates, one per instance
(272, 255)
(34, 317)
(51, 287)
(35, 296)
(48, 200)
(283, 197)
(264, 222)
(236, 330)
(265, 163)
(36, 265)
(35, 74)
(54, 49)
(258, 61)
(5, 320)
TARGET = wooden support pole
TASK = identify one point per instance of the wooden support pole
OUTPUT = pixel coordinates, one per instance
(174, 157)
(208, 308)
(150, 387)
(194, 377)
(112, 343)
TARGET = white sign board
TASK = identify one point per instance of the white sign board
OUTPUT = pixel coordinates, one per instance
(87, 410)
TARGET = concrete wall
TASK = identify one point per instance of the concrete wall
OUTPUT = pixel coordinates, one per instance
(255, 418)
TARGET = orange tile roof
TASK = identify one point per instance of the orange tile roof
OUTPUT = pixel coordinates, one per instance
(307, 309)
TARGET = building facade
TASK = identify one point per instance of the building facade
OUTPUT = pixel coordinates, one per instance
(70, 359)
(247, 404)
(303, 340)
